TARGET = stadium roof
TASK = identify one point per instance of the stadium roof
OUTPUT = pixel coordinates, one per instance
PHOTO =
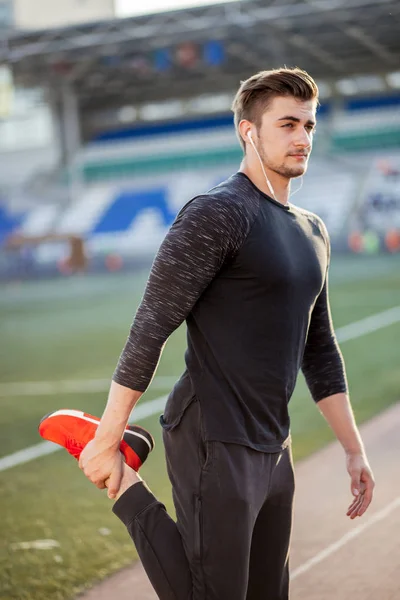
(134, 60)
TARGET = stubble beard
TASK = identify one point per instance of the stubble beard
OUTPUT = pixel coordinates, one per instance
(282, 170)
(288, 172)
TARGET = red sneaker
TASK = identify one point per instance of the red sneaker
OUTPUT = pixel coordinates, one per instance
(73, 429)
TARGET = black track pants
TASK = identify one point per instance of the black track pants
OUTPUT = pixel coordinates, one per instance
(234, 515)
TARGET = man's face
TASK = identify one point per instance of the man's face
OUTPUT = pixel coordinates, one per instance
(285, 137)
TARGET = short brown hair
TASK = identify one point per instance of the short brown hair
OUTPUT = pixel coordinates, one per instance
(256, 93)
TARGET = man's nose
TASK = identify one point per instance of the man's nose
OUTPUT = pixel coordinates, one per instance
(303, 139)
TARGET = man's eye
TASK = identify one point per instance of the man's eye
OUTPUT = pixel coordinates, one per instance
(288, 125)
(310, 128)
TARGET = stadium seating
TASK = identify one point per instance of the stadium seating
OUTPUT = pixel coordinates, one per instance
(367, 124)
(137, 180)
(328, 191)
(8, 222)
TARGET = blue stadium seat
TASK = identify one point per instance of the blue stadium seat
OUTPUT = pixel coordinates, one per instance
(8, 223)
(128, 205)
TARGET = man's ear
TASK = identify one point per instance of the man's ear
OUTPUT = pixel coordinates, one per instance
(245, 130)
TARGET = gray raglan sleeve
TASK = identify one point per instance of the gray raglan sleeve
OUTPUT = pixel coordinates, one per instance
(206, 233)
(323, 364)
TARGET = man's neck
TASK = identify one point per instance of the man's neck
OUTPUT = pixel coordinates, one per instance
(281, 185)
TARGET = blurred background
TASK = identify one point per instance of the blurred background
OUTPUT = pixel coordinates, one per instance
(112, 116)
(108, 126)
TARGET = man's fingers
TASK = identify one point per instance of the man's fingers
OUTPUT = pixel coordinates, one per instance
(98, 481)
(354, 512)
(352, 505)
(364, 507)
(359, 495)
(114, 481)
(355, 506)
(358, 510)
(95, 478)
(367, 498)
(361, 503)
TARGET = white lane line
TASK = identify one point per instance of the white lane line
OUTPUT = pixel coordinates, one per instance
(351, 535)
(46, 388)
(26, 455)
(147, 409)
(369, 324)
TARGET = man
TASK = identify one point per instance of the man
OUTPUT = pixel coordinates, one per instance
(247, 270)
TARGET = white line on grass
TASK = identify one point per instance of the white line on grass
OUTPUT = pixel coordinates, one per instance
(147, 409)
(369, 324)
(46, 388)
(351, 535)
(24, 456)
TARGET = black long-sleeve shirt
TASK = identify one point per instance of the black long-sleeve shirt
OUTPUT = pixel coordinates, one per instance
(249, 275)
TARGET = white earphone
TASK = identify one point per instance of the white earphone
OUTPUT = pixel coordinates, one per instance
(249, 135)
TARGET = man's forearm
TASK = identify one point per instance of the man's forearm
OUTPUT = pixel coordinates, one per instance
(121, 401)
(339, 414)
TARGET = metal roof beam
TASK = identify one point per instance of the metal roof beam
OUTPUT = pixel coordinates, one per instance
(316, 51)
(364, 39)
(135, 29)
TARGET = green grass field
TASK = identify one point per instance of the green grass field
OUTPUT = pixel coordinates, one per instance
(74, 329)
